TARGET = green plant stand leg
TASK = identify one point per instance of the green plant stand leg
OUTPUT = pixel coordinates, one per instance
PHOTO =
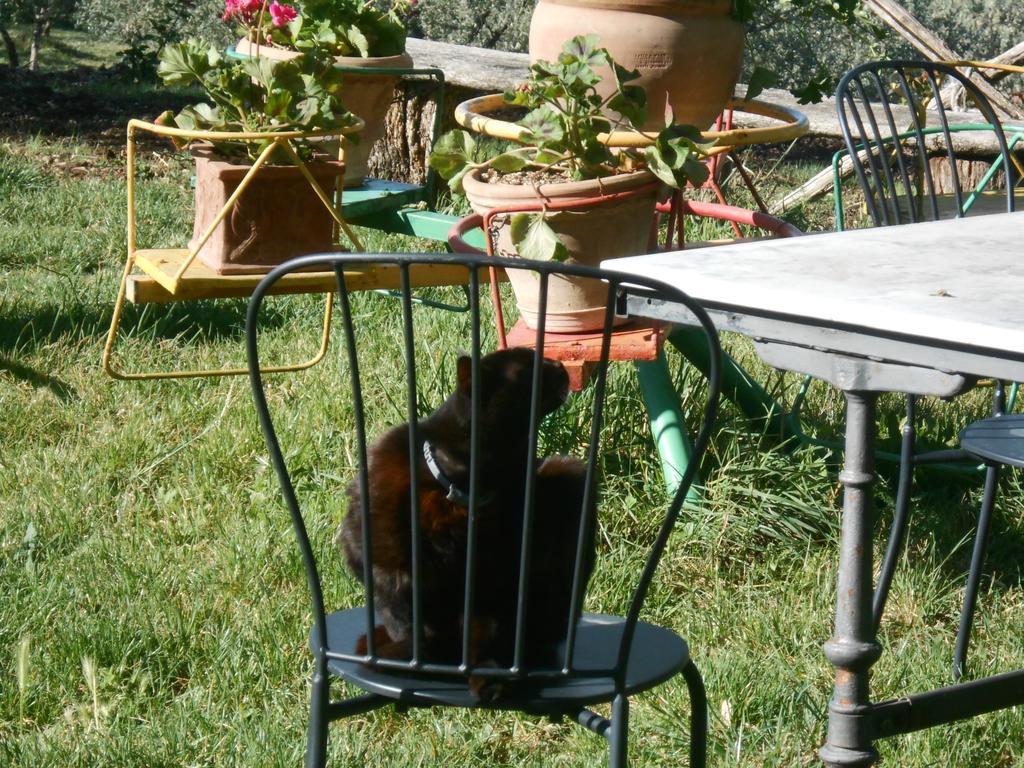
(667, 424)
(737, 385)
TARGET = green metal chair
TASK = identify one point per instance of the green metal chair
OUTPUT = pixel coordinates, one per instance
(558, 666)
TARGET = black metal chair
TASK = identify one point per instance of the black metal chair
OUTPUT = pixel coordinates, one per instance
(590, 658)
(883, 110)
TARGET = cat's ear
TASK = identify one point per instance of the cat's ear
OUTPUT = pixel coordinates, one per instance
(464, 369)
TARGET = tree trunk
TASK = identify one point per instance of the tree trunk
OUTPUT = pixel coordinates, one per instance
(10, 47)
(401, 154)
(37, 39)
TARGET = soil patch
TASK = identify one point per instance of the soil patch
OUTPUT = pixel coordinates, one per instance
(528, 176)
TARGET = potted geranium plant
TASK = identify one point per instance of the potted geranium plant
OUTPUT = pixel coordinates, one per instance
(358, 34)
(565, 157)
(278, 214)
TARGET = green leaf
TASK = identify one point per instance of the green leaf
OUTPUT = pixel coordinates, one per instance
(508, 162)
(630, 102)
(358, 40)
(262, 70)
(547, 157)
(623, 75)
(452, 157)
(815, 90)
(583, 49)
(578, 77)
(594, 155)
(544, 125)
(675, 157)
(519, 97)
(535, 239)
(695, 171)
(455, 144)
(184, 63)
(760, 79)
(455, 182)
(206, 113)
(278, 103)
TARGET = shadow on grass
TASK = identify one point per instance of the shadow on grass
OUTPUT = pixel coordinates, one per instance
(73, 53)
(84, 101)
(206, 322)
(23, 373)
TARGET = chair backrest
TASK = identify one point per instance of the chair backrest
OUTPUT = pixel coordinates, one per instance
(893, 121)
(477, 606)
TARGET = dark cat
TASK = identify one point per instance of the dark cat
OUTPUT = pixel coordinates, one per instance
(505, 383)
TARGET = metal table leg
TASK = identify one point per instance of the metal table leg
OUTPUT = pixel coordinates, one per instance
(854, 723)
(853, 649)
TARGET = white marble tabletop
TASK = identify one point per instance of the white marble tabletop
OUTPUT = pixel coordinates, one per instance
(956, 282)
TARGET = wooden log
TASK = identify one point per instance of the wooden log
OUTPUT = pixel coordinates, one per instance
(478, 69)
(1013, 56)
(924, 40)
(819, 184)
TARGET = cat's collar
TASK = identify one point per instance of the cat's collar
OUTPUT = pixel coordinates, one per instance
(455, 494)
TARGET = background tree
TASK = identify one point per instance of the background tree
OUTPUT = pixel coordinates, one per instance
(7, 11)
(502, 25)
(144, 26)
(40, 15)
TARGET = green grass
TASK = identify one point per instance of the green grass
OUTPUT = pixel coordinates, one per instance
(152, 604)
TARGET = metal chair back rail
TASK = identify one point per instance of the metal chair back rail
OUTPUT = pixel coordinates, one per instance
(860, 94)
(521, 669)
(1016, 135)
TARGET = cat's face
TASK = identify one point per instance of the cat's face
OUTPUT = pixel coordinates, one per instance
(506, 380)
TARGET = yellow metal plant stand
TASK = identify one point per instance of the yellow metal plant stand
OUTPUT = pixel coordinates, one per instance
(787, 124)
(164, 275)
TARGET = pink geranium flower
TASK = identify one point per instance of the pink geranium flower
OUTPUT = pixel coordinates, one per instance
(281, 14)
(244, 11)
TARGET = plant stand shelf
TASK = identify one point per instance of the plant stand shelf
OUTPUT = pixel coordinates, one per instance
(377, 195)
(156, 283)
(581, 352)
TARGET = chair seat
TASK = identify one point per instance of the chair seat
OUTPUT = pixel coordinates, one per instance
(998, 439)
(657, 655)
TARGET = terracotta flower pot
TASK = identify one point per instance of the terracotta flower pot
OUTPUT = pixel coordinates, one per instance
(278, 215)
(367, 96)
(687, 51)
(606, 231)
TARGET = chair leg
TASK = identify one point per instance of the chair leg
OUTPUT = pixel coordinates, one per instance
(698, 716)
(963, 634)
(316, 743)
(897, 533)
(619, 733)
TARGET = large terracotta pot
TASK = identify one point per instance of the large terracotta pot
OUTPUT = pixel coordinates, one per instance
(687, 51)
(605, 231)
(366, 95)
(277, 217)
